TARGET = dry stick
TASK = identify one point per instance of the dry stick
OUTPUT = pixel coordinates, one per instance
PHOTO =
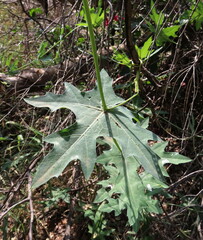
(184, 178)
(73, 202)
(30, 235)
(175, 59)
(150, 76)
(129, 39)
(28, 78)
(5, 206)
(181, 233)
(35, 20)
(173, 186)
(131, 46)
(14, 205)
(200, 225)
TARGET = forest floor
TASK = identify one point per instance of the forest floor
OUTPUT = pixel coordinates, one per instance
(174, 110)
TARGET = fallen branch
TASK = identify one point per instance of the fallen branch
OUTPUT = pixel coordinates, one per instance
(37, 77)
(40, 76)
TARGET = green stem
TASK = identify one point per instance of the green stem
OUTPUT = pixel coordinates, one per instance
(136, 81)
(94, 53)
(120, 104)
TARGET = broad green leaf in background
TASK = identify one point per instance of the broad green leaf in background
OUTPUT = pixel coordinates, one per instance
(166, 34)
(163, 35)
(97, 17)
(43, 49)
(171, 31)
(194, 15)
(34, 11)
(126, 188)
(122, 58)
(79, 140)
(157, 18)
(145, 51)
(197, 15)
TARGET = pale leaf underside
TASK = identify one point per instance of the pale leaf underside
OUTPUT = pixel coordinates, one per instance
(79, 140)
(126, 188)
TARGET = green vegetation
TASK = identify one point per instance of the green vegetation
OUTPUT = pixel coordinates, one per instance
(113, 148)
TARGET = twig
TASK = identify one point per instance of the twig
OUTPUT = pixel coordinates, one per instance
(73, 202)
(131, 46)
(200, 224)
(5, 206)
(181, 233)
(150, 76)
(2, 214)
(129, 39)
(30, 235)
(35, 20)
(184, 178)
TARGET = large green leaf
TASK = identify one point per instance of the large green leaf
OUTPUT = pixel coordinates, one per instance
(79, 140)
(126, 188)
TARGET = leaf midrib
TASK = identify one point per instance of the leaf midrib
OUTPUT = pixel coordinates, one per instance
(127, 131)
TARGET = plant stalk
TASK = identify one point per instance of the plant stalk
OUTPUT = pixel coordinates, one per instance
(124, 102)
(94, 53)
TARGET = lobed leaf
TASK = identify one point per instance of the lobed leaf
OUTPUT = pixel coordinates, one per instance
(126, 188)
(168, 157)
(157, 18)
(79, 140)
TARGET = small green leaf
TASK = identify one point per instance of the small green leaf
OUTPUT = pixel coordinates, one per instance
(145, 51)
(42, 49)
(157, 18)
(34, 11)
(97, 17)
(122, 58)
(171, 31)
(4, 138)
(58, 194)
(166, 34)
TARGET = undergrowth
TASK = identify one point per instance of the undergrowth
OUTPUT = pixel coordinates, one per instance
(115, 179)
